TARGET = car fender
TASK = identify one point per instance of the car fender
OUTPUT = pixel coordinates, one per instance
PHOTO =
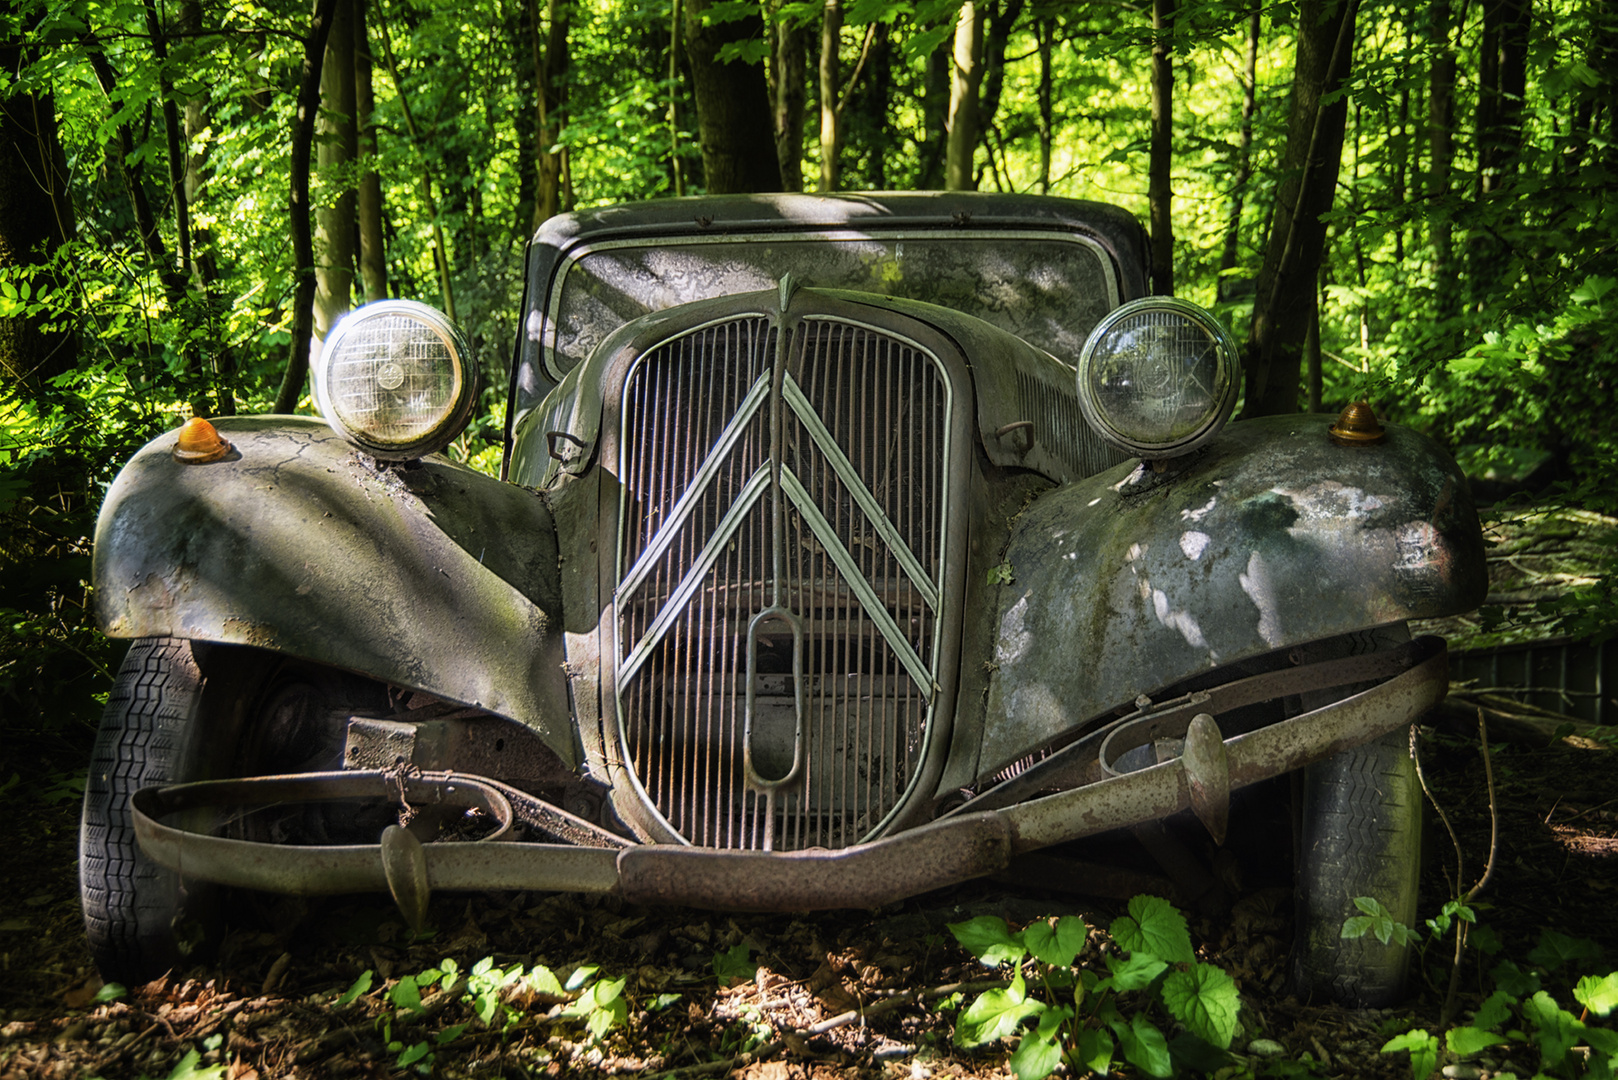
(1270, 536)
(428, 575)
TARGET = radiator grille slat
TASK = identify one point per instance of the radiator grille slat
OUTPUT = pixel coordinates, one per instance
(854, 505)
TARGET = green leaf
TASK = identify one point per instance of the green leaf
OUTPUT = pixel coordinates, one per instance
(449, 1034)
(109, 992)
(1555, 949)
(1470, 1040)
(361, 985)
(1495, 1010)
(1205, 1000)
(413, 1054)
(580, 976)
(988, 938)
(1135, 973)
(995, 1015)
(186, 1069)
(1144, 1046)
(1095, 1048)
(1557, 1030)
(733, 966)
(1036, 1056)
(1599, 995)
(1514, 980)
(544, 981)
(1423, 1049)
(1156, 928)
(406, 995)
(1056, 945)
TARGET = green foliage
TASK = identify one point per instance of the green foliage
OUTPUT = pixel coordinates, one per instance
(733, 966)
(1086, 1019)
(1518, 1011)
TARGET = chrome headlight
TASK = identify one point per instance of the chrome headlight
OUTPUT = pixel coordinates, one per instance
(394, 378)
(1158, 376)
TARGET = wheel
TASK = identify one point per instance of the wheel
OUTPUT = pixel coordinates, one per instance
(183, 711)
(141, 919)
(1359, 835)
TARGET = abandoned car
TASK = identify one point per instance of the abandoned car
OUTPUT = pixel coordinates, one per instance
(845, 548)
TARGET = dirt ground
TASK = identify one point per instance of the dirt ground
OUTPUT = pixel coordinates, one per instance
(265, 1007)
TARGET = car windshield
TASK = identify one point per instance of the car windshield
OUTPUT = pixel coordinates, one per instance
(1047, 288)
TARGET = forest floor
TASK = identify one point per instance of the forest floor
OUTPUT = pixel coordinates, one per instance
(834, 994)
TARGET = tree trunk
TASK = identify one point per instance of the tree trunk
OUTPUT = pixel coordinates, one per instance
(1502, 76)
(336, 149)
(735, 119)
(1244, 154)
(1159, 183)
(831, 135)
(875, 93)
(550, 100)
(1297, 239)
(1441, 151)
(789, 94)
(36, 218)
(935, 118)
(966, 74)
(368, 197)
(1044, 31)
(998, 24)
(303, 251)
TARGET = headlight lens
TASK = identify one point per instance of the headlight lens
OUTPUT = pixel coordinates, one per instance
(1157, 377)
(394, 379)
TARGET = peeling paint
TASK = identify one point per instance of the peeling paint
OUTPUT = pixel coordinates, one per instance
(1194, 543)
(1183, 621)
(1015, 639)
(1200, 512)
(1257, 585)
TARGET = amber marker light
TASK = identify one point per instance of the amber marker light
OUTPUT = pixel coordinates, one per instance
(1356, 426)
(199, 443)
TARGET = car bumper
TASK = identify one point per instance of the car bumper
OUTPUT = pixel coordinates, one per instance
(1196, 769)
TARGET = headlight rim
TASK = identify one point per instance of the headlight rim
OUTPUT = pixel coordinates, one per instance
(1096, 415)
(464, 392)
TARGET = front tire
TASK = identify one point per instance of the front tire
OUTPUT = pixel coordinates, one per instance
(142, 919)
(1360, 835)
(182, 711)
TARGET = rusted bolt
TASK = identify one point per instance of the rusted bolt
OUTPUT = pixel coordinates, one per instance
(1356, 426)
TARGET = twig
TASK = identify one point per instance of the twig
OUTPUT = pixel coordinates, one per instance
(1451, 996)
(840, 1020)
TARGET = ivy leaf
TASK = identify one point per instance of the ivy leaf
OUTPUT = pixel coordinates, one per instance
(1095, 1049)
(1423, 1049)
(1514, 980)
(1469, 1040)
(1557, 1029)
(1204, 999)
(1495, 1010)
(1555, 949)
(988, 938)
(1057, 945)
(1135, 973)
(732, 966)
(1144, 1046)
(1156, 928)
(996, 1014)
(1600, 996)
(1039, 1052)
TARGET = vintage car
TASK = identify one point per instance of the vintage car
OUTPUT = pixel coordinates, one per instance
(845, 548)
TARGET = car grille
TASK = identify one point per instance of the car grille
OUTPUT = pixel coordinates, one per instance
(782, 541)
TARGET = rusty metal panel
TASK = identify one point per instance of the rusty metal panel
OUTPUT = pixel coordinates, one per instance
(1271, 536)
(298, 544)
